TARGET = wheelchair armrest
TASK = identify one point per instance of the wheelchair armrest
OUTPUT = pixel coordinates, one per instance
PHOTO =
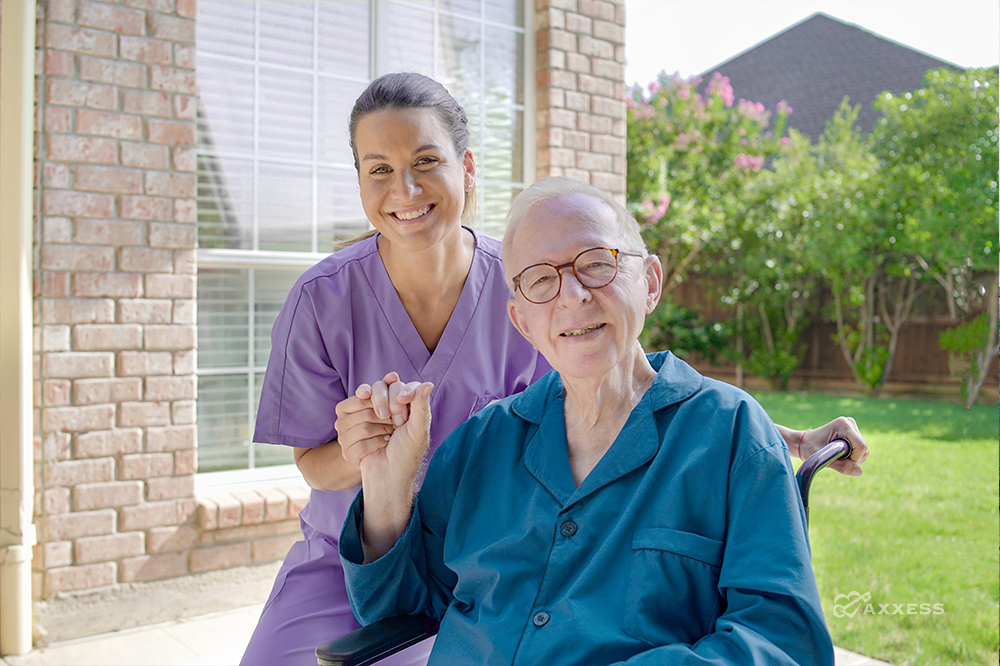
(838, 449)
(377, 641)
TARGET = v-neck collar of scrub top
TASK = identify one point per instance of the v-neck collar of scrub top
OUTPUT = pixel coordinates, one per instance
(428, 367)
(546, 456)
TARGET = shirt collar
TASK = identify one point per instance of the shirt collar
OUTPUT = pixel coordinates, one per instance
(675, 382)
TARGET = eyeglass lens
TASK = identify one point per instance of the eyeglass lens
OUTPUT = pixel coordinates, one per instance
(593, 268)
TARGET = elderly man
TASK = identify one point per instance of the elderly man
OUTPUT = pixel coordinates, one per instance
(622, 508)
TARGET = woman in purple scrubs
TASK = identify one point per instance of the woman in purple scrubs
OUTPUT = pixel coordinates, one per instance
(424, 297)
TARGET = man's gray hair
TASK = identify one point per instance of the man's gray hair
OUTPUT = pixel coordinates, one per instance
(547, 189)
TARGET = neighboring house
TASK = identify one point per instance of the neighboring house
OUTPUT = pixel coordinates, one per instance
(166, 202)
(814, 64)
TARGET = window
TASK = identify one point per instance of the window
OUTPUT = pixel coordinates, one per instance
(276, 181)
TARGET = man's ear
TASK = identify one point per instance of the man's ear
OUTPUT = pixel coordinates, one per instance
(654, 282)
(517, 318)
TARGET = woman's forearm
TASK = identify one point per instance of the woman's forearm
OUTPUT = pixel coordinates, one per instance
(324, 468)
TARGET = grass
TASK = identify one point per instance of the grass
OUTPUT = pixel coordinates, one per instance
(919, 527)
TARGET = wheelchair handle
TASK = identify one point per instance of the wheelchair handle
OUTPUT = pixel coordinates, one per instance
(838, 449)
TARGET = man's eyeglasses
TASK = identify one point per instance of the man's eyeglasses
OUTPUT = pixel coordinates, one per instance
(594, 268)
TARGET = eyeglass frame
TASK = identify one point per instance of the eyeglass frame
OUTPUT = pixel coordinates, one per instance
(572, 264)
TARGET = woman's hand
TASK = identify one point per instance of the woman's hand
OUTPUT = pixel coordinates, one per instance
(803, 444)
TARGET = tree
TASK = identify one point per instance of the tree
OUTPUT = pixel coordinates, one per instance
(939, 151)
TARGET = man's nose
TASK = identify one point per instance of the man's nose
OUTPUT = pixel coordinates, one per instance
(571, 289)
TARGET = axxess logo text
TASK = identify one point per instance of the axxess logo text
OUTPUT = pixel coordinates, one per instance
(847, 605)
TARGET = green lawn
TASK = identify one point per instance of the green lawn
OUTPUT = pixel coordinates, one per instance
(919, 527)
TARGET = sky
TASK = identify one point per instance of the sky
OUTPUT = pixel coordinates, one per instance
(692, 36)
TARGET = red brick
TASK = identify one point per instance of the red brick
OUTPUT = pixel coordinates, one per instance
(275, 504)
(253, 507)
(55, 501)
(609, 31)
(77, 258)
(598, 9)
(55, 338)
(102, 123)
(145, 156)
(108, 232)
(146, 208)
(186, 8)
(596, 86)
(110, 17)
(184, 56)
(154, 567)
(298, 496)
(57, 554)
(73, 472)
(586, 122)
(186, 362)
(98, 391)
(557, 118)
(597, 48)
(274, 548)
(110, 494)
(114, 72)
(77, 418)
(146, 466)
(64, 92)
(220, 557)
(171, 388)
(185, 211)
(172, 79)
(146, 103)
(593, 162)
(94, 337)
(170, 337)
(81, 149)
(80, 524)
(144, 311)
(172, 438)
(161, 6)
(185, 312)
(144, 259)
(58, 120)
(100, 443)
(169, 539)
(172, 28)
(208, 514)
(114, 285)
(110, 547)
(611, 183)
(145, 516)
(174, 236)
(58, 63)
(185, 462)
(139, 414)
(166, 184)
(107, 179)
(243, 533)
(185, 159)
(185, 262)
(55, 286)
(171, 132)
(555, 38)
(73, 365)
(77, 204)
(172, 487)
(608, 144)
(607, 69)
(61, 11)
(230, 510)
(171, 286)
(80, 40)
(132, 364)
(56, 446)
(86, 577)
(57, 230)
(146, 50)
(78, 310)
(604, 106)
(55, 392)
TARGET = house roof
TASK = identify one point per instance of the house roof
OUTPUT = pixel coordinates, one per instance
(813, 64)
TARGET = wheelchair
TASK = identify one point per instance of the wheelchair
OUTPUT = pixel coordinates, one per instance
(371, 644)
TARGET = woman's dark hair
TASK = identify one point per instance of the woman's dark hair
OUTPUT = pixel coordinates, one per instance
(409, 90)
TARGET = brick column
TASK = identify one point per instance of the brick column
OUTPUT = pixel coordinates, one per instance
(114, 291)
(580, 68)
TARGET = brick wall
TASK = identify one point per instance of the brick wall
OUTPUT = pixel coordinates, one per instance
(580, 70)
(115, 308)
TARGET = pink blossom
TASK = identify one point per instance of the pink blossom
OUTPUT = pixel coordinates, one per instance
(720, 84)
(654, 86)
(785, 141)
(748, 162)
(784, 108)
(630, 103)
(655, 213)
(684, 92)
(682, 141)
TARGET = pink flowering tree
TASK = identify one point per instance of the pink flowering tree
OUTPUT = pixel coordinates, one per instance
(696, 162)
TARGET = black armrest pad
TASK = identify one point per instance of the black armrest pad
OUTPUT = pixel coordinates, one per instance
(378, 640)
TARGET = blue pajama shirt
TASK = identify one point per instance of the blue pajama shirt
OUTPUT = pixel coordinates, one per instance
(686, 544)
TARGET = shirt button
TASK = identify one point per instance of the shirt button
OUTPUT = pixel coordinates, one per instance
(568, 528)
(541, 619)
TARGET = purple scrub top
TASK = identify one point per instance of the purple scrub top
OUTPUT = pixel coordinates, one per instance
(343, 325)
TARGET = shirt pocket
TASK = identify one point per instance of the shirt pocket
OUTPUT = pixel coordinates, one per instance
(673, 586)
(481, 402)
